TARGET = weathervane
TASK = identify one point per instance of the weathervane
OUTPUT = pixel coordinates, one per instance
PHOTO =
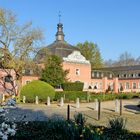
(59, 16)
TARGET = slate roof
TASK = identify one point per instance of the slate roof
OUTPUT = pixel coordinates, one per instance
(59, 47)
(121, 68)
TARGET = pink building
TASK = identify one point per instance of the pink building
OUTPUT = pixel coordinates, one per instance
(125, 79)
(8, 82)
(96, 80)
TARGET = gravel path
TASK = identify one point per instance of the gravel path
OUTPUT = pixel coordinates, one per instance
(31, 112)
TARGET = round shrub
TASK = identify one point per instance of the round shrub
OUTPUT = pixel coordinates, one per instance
(37, 88)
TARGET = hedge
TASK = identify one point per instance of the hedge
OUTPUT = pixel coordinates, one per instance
(83, 95)
(113, 96)
(37, 88)
(76, 86)
(71, 95)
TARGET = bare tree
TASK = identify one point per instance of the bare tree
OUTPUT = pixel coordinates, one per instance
(125, 59)
(17, 43)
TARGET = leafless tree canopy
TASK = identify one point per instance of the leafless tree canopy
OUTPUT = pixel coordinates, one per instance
(18, 43)
(125, 59)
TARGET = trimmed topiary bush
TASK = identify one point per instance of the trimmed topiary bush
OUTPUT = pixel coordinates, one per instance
(76, 86)
(37, 88)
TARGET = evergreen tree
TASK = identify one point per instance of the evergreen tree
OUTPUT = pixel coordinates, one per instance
(53, 72)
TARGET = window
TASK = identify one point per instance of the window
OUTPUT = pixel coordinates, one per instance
(134, 86)
(8, 78)
(127, 85)
(90, 87)
(138, 85)
(124, 75)
(94, 73)
(77, 72)
(97, 74)
(121, 86)
(110, 75)
(96, 86)
(102, 74)
(134, 75)
(110, 86)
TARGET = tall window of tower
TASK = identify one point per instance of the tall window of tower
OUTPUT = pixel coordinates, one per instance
(77, 72)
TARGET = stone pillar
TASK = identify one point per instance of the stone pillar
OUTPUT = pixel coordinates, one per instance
(77, 103)
(62, 101)
(115, 84)
(36, 100)
(3, 97)
(116, 105)
(64, 97)
(104, 84)
(48, 101)
(24, 99)
(96, 104)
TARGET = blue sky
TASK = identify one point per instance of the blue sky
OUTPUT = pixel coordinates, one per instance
(113, 24)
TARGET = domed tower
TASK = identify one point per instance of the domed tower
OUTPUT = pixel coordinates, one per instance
(60, 35)
(59, 47)
(79, 68)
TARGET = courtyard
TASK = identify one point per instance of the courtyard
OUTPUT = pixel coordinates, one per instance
(41, 112)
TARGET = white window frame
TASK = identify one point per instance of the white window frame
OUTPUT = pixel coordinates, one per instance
(110, 75)
(97, 74)
(139, 85)
(127, 85)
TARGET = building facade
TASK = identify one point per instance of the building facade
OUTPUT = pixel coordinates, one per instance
(124, 79)
(116, 79)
